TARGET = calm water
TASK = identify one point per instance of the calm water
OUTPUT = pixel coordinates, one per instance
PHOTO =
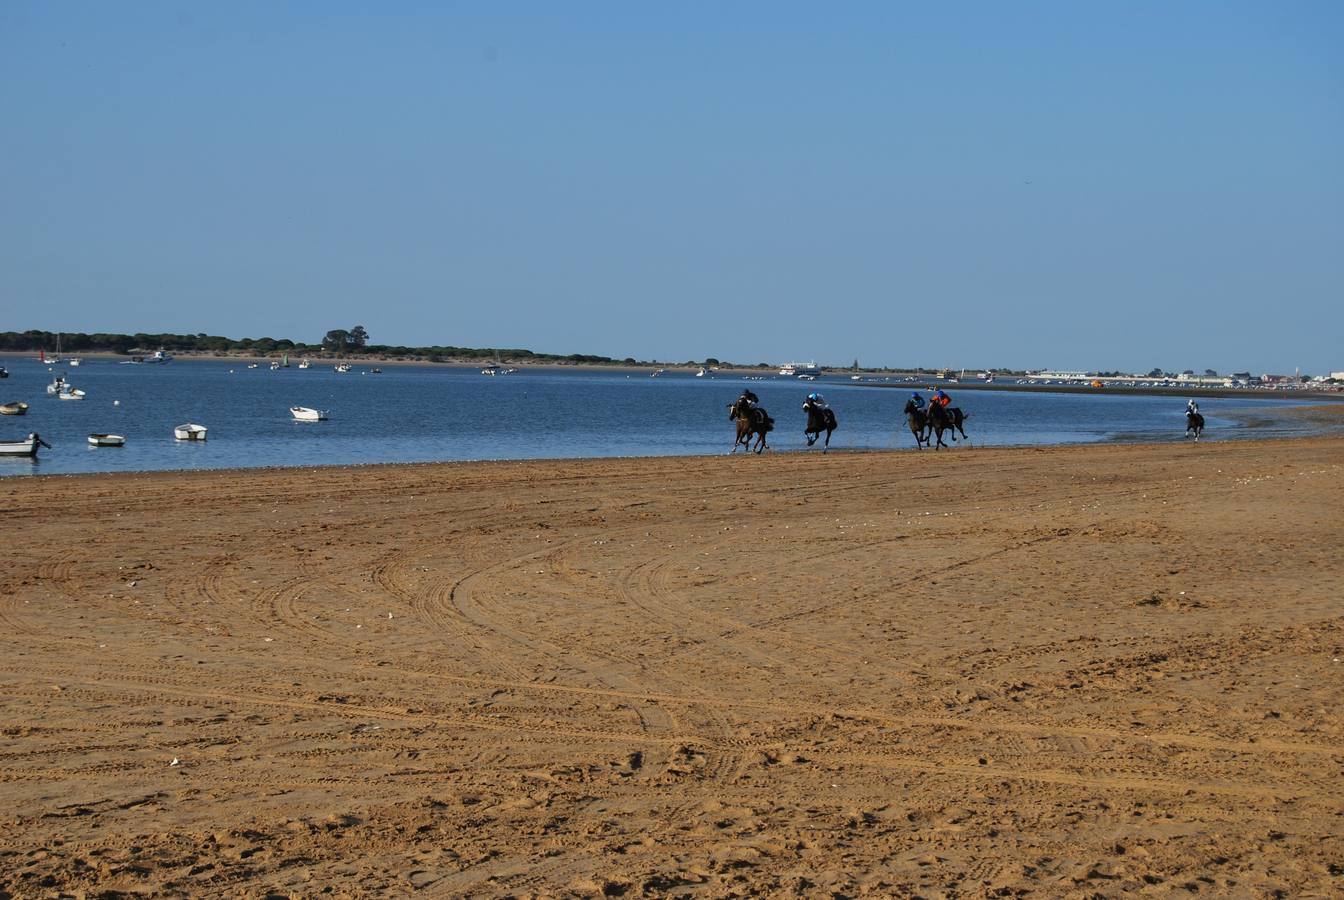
(428, 413)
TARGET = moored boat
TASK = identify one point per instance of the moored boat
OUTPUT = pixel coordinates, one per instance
(13, 408)
(107, 440)
(343, 368)
(26, 447)
(189, 432)
(70, 392)
(308, 414)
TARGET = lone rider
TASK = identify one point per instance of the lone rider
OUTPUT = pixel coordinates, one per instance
(1191, 407)
(749, 403)
(817, 401)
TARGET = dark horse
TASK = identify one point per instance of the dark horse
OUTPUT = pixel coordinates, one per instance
(750, 420)
(1194, 424)
(819, 419)
(918, 420)
(945, 419)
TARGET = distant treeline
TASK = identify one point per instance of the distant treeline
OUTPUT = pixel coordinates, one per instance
(78, 342)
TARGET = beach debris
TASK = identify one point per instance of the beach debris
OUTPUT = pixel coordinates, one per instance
(175, 762)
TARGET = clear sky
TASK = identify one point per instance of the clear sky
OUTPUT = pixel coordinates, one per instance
(1108, 185)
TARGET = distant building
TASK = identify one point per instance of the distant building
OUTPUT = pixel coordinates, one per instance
(1337, 376)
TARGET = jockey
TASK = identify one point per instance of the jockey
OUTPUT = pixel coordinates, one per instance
(918, 400)
(941, 398)
(818, 403)
(1191, 407)
(748, 399)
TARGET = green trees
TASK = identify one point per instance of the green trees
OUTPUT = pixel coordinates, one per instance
(338, 340)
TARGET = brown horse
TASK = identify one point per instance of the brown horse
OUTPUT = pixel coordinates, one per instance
(918, 420)
(819, 419)
(750, 420)
(945, 418)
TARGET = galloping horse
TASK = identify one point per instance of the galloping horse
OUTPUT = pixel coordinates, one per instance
(945, 419)
(918, 420)
(750, 420)
(819, 419)
(1194, 424)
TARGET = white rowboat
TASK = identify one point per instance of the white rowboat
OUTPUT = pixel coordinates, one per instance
(107, 440)
(26, 447)
(189, 432)
(308, 414)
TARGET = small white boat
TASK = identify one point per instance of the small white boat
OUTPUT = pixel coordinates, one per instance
(308, 414)
(107, 440)
(158, 356)
(13, 408)
(343, 368)
(657, 372)
(57, 385)
(251, 365)
(189, 432)
(701, 373)
(26, 447)
(303, 364)
(70, 393)
(76, 361)
(274, 366)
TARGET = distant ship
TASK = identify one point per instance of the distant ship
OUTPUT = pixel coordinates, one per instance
(800, 369)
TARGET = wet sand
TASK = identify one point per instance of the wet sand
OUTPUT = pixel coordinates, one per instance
(1077, 671)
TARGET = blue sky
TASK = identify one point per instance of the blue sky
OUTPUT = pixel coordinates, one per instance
(1094, 185)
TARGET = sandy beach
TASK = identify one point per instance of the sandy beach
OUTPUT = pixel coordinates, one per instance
(1070, 671)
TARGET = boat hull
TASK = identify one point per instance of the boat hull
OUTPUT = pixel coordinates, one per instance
(107, 440)
(307, 414)
(17, 408)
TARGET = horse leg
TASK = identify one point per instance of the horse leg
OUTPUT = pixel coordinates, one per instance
(811, 438)
(827, 445)
(760, 442)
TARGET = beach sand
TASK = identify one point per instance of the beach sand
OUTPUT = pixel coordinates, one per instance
(1072, 671)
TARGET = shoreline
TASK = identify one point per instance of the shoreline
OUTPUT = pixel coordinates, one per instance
(1329, 419)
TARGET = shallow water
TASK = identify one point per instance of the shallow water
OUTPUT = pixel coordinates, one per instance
(432, 413)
